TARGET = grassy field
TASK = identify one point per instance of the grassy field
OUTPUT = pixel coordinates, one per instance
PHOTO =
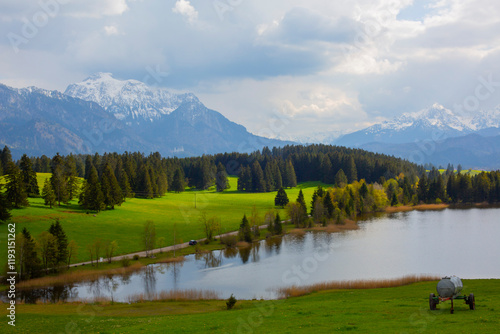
(125, 223)
(389, 310)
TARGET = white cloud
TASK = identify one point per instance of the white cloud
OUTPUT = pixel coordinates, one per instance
(185, 9)
(111, 30)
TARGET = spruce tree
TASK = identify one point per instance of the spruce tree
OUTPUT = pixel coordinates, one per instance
(289, 179)
(125, 185)
(71, 177)
(278, 227)
(352, 172)
(328, 205)
(302, 202)
(62, 241)
(29, 176)
(91, 197)
(221, 180)
(278, 180)
(15, 190)
(268, 177)
(48, 194)
(281, 198)
(59, 180)
(245, 232)
(341, 179)
(258, 183)
(178, 183)
(110, 188)
(4, 206)
(30, 260)
(6, 158)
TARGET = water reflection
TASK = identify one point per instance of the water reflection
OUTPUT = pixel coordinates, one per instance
(389, 246)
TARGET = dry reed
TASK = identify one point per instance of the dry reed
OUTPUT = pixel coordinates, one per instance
(295, 291)
(172, 259)
(174, 295)
(77, 276)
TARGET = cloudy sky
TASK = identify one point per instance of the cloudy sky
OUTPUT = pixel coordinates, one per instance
(317, 66)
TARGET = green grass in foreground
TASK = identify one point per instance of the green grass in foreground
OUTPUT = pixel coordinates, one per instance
(390, 310)
(125, 223)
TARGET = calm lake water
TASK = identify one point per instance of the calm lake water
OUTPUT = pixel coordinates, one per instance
(449, 242)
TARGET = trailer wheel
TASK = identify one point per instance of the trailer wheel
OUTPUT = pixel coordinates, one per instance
(472, 302)
(432, 302)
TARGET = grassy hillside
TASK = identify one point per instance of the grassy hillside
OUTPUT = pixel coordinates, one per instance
(125, 223)
(390, 310)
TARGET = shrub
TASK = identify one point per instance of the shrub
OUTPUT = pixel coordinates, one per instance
(230, 302)
(229, 240)
(125, 262)
(136, 257)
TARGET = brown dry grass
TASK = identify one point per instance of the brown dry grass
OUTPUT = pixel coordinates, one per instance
(420, 207)
(176, 295)
(334, 228)
(77, 276)
(172, 260)
(297, 231)
(243, 244)
(295, 291)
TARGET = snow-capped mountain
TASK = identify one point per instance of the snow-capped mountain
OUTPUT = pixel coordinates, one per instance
(431, 123)
(102, 114)
(130, 101)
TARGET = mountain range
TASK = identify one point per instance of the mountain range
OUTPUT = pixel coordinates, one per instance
(103, 114)
(435, 135)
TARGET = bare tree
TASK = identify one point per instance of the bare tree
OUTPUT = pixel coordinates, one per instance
(109, 249)
(149, 237)
(72, 252)
(211, 226)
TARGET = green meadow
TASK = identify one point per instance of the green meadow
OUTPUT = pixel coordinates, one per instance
(179, 211)
(389, 310)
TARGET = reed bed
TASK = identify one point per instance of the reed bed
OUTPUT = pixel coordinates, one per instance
(77, 276)
(172, 260)
(421, 207)
(175, 295)
(296, 291)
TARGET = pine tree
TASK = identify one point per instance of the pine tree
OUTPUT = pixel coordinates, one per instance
(289, 179)
(352, 172)
(278, 180)
(6, 159)
(71, 177)
(302, 202)
(221, 181)
(326, 170)
(281, 198)
(4, 206)
(30, 260)
(29, 176)
(125, 186)
(258, 183)
(268, 177)
(91, 197)
(178, 183)
(48, 194)
(16, 193)
(110, 188)
(245, 179)
(245, 232)
(46, 244)
(62, 241)
(278, 227)
(59, 180)
(328, 205)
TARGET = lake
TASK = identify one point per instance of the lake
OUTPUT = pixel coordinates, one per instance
(448, 242)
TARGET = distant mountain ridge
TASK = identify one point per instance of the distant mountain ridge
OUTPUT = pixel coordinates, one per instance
(103, 114)
(435, 135)
(423, 125)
